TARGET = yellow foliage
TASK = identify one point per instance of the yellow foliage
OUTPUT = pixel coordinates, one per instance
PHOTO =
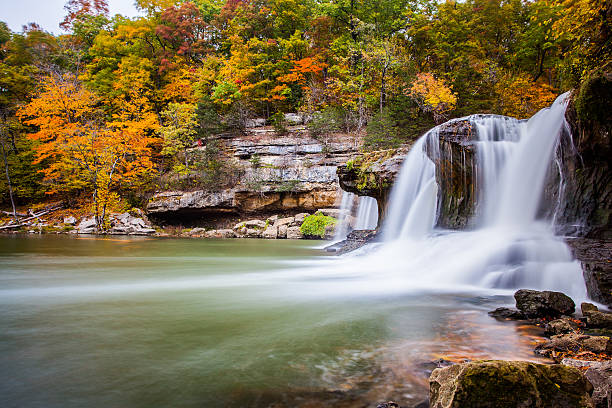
(433, 95)
(520, 97)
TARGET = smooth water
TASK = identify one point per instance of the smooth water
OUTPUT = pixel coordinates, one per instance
(129, 322)
(509, 247)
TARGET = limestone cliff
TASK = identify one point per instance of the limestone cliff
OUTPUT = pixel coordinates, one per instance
(285, 174)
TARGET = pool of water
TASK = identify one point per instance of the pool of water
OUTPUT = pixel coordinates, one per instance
(147, 322)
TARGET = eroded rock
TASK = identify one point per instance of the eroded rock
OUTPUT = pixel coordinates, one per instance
(543, 304)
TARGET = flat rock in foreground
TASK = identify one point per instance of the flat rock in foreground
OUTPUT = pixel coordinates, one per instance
(508, 384)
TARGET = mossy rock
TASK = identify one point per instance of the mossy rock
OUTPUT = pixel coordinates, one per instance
(509, 384)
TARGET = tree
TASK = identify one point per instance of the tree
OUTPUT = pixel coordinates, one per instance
(433, 96)
(179, 130)
(84, 153)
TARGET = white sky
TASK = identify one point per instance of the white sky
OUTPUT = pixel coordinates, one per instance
(49, 13)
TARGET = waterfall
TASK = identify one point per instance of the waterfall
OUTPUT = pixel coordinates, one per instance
(509, 247)
(367, 214)
(347, 203)
(412, 205)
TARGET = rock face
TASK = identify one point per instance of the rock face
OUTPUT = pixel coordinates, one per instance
(372, 174)
(274, 175)
(599, 374)
(595, 256)
(508, 384)
(543, 304)
(120, 224)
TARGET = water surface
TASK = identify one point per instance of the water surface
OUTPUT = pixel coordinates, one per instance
(145, 322)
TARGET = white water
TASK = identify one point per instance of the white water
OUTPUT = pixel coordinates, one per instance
(367, 214)
(412, 206)
(347, 202)
(510, 249)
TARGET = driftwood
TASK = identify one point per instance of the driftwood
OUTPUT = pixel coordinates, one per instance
(11, 214)
(30, 216)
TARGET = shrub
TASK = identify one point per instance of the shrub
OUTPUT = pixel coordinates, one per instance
(314, 225)
(279, 123)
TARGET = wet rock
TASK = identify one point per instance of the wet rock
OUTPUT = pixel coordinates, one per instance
(599, 320)
(575, 343)
(422, 404)
(599, 374)
(294, 233)
(507, 313)
(594, 256)
(508, 384)
(587, 308)
(355, 239)
(330, 231)
(70, 220)
(270, 233)
(543, 304)
(559, 326)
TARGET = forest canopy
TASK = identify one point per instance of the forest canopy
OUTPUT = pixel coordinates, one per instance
(112, 104)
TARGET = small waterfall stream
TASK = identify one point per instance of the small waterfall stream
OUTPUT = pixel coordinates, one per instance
(367, 214)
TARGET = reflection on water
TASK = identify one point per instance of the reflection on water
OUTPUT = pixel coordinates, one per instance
(195, 323)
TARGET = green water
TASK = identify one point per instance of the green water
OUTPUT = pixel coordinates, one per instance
(147, 322)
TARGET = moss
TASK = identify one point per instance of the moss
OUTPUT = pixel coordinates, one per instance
(314, 225)
(594, 98)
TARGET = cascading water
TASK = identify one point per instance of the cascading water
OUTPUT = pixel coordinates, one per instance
(367, 214)
(347, 202)
(509, 249)
(412, 207)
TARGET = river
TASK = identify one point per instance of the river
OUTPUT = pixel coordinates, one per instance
(148, 322)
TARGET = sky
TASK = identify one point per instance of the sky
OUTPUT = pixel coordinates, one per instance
(49, 13)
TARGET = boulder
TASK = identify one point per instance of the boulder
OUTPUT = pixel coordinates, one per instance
(284, 221)
(222, 233)
(543, 304)
(294, 119)
(599, 320)
(253, 233)
(299, 218)
(559, 326)
(508, 384)
(70, 220)
(507, 313)
(294, 233)
(599, 374)
(197, 231)
(271, 220)
(87, 226)
(574, 342)
(282, 231)
(270, 233)
(587, 308)
(251, 224)
(257, 122)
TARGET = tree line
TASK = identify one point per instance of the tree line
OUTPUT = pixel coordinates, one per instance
(114, 106)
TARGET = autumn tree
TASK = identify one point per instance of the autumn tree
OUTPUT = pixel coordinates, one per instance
(433, 96)
(179, 131)
(84, 153)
